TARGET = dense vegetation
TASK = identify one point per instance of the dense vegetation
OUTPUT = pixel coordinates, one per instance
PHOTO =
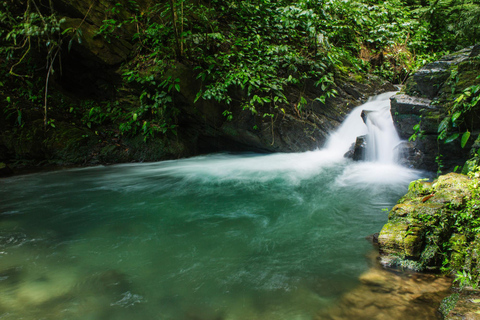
(257, 48)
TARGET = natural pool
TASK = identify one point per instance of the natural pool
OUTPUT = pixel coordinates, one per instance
(223, 236)
(218, 237)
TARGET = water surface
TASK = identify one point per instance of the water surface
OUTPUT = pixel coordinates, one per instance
(223, 236)
(218, 237)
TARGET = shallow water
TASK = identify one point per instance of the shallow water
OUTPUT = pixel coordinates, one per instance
(217, 237)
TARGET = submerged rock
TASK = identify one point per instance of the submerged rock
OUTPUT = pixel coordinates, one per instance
(383, 294)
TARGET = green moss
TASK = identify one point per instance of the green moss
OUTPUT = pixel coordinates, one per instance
(436, 225)
(411, 87)
(413, 242)
(448, 304)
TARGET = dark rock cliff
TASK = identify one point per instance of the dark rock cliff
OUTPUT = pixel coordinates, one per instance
(426, 100)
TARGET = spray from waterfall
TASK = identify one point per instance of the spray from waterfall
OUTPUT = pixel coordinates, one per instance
(379, 169)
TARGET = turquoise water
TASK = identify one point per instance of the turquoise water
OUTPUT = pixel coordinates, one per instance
(217, 237)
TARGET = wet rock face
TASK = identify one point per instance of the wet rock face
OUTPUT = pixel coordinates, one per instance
(357, 151)
(426, 100)
(408, 155)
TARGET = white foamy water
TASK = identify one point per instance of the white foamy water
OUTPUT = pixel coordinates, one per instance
(380, 129)
(294, 167)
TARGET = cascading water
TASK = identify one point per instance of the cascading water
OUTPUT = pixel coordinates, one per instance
(377, 124)
(231, 237)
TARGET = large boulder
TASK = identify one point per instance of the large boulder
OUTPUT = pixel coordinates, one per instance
(427, 217)
(357, 151)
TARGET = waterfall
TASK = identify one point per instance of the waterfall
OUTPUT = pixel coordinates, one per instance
(382, 138)
(377, 125)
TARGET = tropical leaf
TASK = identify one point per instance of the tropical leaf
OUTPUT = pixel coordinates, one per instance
(452, 137)
(465, 138)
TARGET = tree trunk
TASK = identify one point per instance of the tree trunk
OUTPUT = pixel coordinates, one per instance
(178, 49)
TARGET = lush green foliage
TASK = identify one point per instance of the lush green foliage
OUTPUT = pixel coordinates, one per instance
(247, 54)
(456, 124)
(463, 248)
(451, 228)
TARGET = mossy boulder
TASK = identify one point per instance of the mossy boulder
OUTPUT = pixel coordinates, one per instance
(424, 219)
(401, 238)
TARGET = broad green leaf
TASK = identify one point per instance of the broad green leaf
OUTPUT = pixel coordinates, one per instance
(456, 115)
(460, 98)
(443, 125)
(199, 95)
(465, 138)
(452, 137)
(416, 127)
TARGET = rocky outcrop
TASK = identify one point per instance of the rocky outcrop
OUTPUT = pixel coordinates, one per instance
(425, 218)
(435, 227)
(426, 100)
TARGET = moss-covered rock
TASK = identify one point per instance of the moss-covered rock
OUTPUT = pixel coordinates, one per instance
(424, 219)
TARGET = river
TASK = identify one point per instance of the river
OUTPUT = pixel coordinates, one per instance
(222, 236)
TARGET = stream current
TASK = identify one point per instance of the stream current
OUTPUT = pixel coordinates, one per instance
(222, 236)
